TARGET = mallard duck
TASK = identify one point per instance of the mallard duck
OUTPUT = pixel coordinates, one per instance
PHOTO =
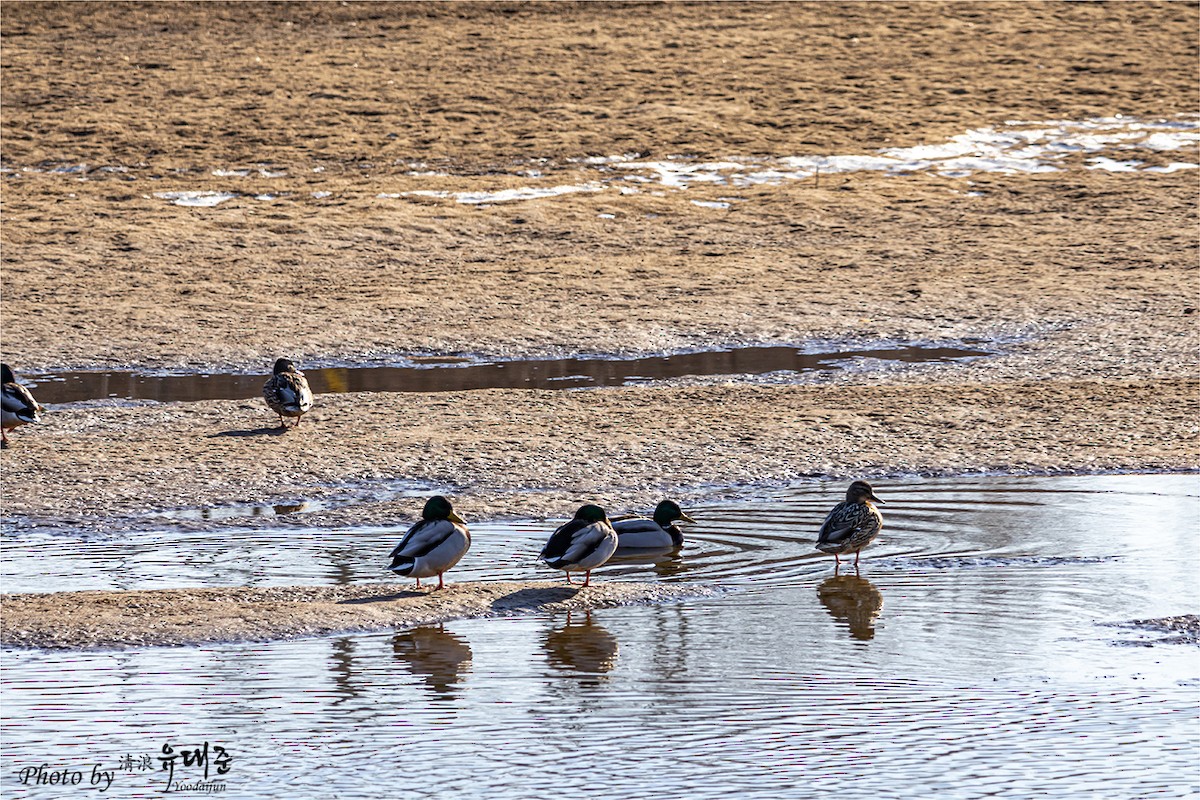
(582, 544)
(657, 531)
(18, 407)
(287, 392)
(433, 545)
(852, 524)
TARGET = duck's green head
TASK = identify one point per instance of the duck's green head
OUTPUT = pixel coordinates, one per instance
(7, 376)
(284, 365)
(668, 511)
(590, 513)
(860, 491)
(438, 507)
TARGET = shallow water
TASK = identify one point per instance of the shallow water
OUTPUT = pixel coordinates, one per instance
(458, 374)
(969, 658)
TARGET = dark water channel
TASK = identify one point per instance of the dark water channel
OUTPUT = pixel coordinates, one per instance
(972, 656)
(451, 375)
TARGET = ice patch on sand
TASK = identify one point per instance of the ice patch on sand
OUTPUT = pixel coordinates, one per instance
(1111, 144)
(1012, 148)
(507, 195)
(1174, 166)
(196, 199)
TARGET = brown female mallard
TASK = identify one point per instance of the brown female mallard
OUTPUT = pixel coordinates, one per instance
(852, 524)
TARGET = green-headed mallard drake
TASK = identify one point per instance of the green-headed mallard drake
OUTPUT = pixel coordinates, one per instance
(287, 392)
(657, 531)
(583, 544)
(18, 407)
(433, 545)
(852, 524)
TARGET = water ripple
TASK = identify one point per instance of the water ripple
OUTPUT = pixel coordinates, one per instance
(965, 660)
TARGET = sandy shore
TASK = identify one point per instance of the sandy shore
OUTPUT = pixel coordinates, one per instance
(364, 101)
(203, 616)
(542, 453)
(319, 117)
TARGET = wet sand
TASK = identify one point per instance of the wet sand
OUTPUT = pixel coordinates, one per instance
(512, 453)
(1182, 629)
(72, 620)
(1085, 280)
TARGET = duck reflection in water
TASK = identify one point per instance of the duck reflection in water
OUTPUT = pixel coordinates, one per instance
(431, 652)
(854, 600)
(581, 646)
(665, 562)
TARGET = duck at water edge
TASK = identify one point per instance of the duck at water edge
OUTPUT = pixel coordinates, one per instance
(583, 544)
(852, 524)
(433, 545)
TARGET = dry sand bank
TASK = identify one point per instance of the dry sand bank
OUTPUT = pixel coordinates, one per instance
(98, 271)
(72, 620)
(93, 282)
(187, 84)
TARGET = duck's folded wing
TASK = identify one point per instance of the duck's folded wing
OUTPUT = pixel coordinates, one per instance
(293, 391)
(422, 538)
(560, 540)
(18, 400)
(585, 542)
(573, 542)
(841, 523)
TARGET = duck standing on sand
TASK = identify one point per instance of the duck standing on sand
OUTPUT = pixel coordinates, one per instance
(287, 392)
(658, 532)
(433, 545)
(18, 408)
(852, 524)
(583, 544)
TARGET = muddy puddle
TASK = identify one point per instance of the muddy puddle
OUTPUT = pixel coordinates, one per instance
(977, 635)
(460, 374)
